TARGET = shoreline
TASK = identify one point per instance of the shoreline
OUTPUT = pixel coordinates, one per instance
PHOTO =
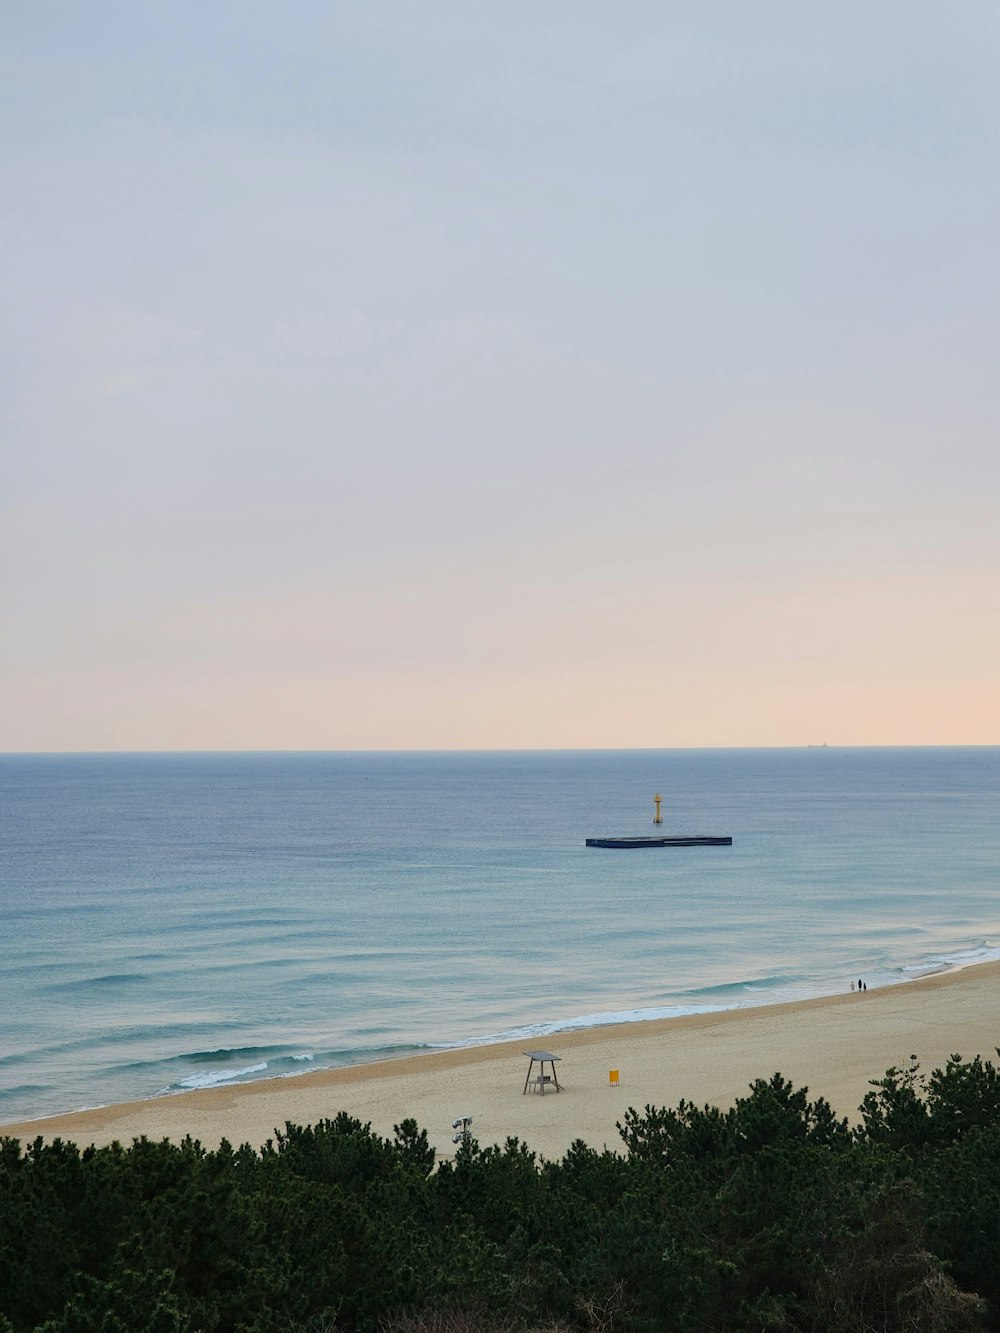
(588, 1026)
(834, 1045)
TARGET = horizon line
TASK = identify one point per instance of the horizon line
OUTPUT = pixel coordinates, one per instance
(514, 749)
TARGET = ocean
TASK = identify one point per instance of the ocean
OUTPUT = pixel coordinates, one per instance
(178, 921)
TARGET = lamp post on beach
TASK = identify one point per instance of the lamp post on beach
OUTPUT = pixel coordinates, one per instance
(462, 1124)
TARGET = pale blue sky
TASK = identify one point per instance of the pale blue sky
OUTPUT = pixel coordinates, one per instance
(564, 374)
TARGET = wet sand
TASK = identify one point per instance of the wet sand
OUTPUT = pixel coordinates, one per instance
(834, 1046)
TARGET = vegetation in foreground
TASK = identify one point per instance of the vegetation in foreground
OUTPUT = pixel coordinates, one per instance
(774, 1215)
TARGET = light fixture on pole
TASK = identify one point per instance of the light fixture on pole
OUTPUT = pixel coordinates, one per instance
(462, 1124)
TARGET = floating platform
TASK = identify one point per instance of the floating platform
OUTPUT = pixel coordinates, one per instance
(679, 840)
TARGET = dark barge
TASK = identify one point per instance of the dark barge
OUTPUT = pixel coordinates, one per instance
(681, 840)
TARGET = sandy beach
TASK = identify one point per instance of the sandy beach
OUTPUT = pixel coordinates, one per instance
(834, 1046)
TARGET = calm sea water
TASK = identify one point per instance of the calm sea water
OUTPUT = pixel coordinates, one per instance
(181, 921)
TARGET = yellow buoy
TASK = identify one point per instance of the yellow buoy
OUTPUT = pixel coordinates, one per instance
(657, 818)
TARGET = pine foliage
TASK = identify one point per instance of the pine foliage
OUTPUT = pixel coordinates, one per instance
(771, 1215)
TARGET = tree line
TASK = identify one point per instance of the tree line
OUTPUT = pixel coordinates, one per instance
(771, 1215)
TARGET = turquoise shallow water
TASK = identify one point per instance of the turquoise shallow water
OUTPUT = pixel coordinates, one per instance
(179, 921)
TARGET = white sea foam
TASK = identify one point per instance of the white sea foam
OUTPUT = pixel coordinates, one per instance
(214, 1077)
(953, 962)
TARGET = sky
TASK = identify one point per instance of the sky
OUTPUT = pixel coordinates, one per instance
(450, 375)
